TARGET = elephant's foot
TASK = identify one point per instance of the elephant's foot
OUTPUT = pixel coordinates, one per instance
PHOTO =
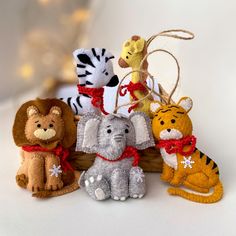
(97, 187)
(137, 186)
(119, 185)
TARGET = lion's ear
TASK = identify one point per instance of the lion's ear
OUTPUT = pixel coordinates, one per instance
(32, 111)
(56, 111)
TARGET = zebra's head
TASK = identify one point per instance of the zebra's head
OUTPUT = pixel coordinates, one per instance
(94, 68)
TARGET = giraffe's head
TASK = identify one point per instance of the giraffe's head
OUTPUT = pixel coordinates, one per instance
(171, 121)
(133, 51)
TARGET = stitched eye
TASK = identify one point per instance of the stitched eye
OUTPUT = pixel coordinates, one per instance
(38, 125)
(109, 131)
(106, 73)
(173, 121)
(126, 131)
(127, 57)
(162, 122)
(51, 125)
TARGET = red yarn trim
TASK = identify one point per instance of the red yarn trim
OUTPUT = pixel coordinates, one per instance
(131, 87)
(96, 94)
(59, 151)
(128, 153)
(177, 145)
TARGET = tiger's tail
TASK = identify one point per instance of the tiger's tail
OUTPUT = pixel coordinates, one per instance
(214, 197)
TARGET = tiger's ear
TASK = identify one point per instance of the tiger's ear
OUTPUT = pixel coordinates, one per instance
(186, 103)
(139, 45)
(154, 106)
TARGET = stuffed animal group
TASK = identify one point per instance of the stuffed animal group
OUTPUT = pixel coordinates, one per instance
(45, 130)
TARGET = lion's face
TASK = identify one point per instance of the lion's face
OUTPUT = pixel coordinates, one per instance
(44, 128)
(44, 122)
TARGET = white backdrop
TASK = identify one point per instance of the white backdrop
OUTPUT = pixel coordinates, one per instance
(208, 65)
(207, 76)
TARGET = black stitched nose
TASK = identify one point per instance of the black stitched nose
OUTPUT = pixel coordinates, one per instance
(168, 130)
(45, 129)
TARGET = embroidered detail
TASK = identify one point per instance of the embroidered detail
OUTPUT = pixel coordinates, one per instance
(187, 162)
(138, 175)
(131, 87)
(177, 145)
(128, 153)
(97, 96)
(56, 170)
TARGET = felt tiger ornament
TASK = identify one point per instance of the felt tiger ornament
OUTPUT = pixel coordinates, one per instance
(94, 70)
(184, 164)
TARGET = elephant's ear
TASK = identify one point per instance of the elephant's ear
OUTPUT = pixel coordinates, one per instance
(143, 131)
(87, 132)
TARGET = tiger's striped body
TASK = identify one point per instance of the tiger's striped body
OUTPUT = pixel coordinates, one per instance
(197, 165)
(172, 126)
(94, 70)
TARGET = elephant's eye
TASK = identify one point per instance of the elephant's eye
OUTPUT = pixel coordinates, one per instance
(38, 125)
(126, 131)
(109, 131)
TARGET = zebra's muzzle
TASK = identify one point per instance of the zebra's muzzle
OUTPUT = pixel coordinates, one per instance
(113, 81)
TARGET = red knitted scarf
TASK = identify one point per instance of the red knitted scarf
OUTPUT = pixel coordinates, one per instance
(131, 87)
(97, 96)
(59, 151)
(177, 145)
(128, 153)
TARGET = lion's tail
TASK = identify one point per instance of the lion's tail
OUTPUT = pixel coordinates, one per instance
(67, 189)
(214, 197)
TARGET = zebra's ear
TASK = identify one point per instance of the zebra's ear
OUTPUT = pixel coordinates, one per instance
(82, 56)
(87, 131)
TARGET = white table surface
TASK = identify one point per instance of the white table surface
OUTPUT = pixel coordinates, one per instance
(76, 213)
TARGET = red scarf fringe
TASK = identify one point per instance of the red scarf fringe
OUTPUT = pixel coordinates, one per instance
(97, 96)
(177, 145)
(131, 87)
(59, 151)
(128, 153)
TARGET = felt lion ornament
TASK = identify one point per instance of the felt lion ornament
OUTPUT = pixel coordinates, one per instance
(44, 129)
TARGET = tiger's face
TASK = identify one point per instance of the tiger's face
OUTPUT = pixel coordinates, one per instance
(132, 52)
(171, 121)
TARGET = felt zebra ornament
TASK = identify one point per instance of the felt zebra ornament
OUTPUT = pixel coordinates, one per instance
(94, 70)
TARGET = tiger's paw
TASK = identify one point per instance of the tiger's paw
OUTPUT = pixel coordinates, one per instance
(175, 182)
(166, 177)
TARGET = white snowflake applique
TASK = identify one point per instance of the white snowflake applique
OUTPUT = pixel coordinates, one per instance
(138, 175)
(187, 162)
(56, 170)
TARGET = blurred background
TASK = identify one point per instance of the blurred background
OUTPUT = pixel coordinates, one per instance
(38, 37)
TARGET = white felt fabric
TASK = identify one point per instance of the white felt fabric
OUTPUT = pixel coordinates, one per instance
(90, 133)
(141, 129)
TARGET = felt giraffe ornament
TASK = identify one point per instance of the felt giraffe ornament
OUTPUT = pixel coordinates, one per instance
(133, 55)
(184, 164)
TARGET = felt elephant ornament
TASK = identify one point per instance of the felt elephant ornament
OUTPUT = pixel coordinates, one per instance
(115, 138)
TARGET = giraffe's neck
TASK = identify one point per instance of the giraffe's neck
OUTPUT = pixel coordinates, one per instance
(136, 76)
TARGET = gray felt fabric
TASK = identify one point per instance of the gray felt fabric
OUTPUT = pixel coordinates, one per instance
(109, 135)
